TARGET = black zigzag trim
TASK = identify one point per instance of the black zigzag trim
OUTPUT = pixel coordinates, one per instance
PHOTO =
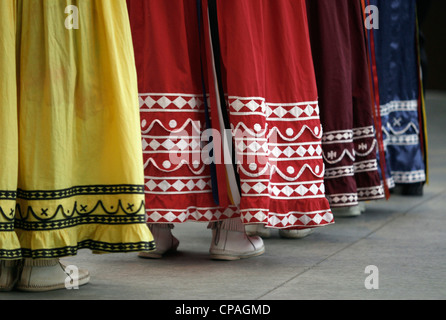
(75, 221)
(8, 195)
(6, 227)
(42, 214)
(80, 190)
(10, 254)
(80, 209)
(8, 216)
(89, 244)
(73, 250)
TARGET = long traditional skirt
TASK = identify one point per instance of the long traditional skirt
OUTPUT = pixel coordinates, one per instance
(227, 74)
(401, 108)
(178, 179)
(71, 170)
(342, 71)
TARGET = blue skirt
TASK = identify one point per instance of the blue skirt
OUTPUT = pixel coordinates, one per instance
(397, 65)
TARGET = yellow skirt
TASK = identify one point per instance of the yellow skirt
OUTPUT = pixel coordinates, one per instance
(71, 168)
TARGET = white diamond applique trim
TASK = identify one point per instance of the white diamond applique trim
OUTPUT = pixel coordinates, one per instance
(343, 199)
(371, 193)
(284, 191)
(288, 220)
(394, 106)
(175, 112)
(274, 111)
(160, 215)
(291, 151)
(174, 185)
(409, 177)
(162, 101)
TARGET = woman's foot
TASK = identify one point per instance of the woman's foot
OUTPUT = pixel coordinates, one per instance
(230, 241)
(258, 230)
(164, 240)
(345, 212)
(295, 234)
(8, 274)
(45, 275)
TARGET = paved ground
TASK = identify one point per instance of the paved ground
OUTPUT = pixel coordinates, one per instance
(405, 238)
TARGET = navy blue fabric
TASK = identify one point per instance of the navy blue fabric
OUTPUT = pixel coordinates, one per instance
(398, 74)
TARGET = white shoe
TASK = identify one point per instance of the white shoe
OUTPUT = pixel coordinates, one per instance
(258, 230)
(362, 207)
(230, 242)
(46, 275)
(8, 274)
(344, 212)
(164, 240)
(295, 234)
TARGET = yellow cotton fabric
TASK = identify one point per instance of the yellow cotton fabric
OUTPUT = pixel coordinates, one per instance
(71, 170)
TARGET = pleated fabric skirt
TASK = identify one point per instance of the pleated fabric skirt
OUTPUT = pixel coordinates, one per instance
(178, 175)
(226, 72)
(399, 85)
(71, 169)
(349, 142)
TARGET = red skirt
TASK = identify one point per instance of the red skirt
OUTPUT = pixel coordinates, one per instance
(229, 68)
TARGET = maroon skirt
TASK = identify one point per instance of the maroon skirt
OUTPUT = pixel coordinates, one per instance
(345, 101)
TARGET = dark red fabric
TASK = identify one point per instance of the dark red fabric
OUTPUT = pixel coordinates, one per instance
(341, 65)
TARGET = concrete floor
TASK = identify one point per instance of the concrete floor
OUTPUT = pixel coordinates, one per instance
(405, 238)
